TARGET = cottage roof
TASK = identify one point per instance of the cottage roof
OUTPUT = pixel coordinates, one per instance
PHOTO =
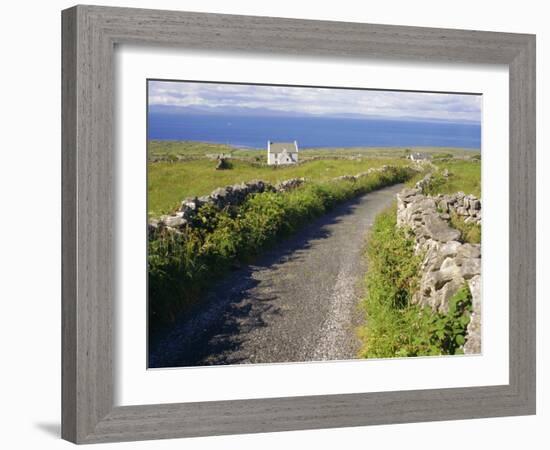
(278, 147)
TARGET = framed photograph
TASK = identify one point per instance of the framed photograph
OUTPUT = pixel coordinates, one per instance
(268, 222)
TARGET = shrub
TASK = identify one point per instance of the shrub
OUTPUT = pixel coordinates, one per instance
(223, 164)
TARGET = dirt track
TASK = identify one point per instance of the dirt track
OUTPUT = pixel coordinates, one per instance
(298, 302)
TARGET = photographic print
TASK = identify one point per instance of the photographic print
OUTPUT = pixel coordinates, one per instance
(298, 224)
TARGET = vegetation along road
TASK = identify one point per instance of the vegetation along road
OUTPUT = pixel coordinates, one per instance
(298, 302)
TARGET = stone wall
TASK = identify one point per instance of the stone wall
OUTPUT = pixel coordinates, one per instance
(466, 206)
(233, 196)
(288, 185)
(447, 263)
(220, 198)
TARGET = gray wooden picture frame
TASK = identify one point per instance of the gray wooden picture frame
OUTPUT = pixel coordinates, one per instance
(89, 36)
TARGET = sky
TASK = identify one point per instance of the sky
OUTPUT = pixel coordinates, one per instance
(217, 98)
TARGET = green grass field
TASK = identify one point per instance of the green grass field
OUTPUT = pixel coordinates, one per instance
(192, 172)
(170, 183)
(463, 176)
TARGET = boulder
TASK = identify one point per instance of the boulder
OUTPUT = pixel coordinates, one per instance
(469, 267)
(469, 251)
(174, 221)
(439, 230)
(189, 204)
(406, 193)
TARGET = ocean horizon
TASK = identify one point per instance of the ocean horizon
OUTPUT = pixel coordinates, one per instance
(311, 132)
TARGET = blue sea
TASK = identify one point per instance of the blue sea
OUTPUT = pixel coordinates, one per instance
(255, 131)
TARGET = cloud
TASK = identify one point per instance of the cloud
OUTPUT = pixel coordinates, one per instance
(231, 98)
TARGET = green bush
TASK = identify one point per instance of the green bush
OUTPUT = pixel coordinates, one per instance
(394, 327)
(182, 266)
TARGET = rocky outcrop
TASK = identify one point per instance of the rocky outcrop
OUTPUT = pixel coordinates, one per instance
(447, 263)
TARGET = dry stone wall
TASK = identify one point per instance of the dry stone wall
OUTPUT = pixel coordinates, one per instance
(466, 206)
(447, 263)
(233, 196)
(220, 198)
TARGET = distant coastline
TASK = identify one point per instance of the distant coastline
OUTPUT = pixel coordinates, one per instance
(215, 148)
(312, 132)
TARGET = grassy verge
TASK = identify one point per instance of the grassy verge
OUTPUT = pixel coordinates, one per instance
(182, 266)
(394, 327)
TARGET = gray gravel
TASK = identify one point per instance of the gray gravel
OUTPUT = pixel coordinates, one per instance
(298, 302)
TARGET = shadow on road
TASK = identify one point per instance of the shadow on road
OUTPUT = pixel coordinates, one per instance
(213, 334)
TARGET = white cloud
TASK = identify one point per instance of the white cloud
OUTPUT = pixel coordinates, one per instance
(318, 101)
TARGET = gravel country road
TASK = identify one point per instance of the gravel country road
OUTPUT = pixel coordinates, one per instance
(298, 302)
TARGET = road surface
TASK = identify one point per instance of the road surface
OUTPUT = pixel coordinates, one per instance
(298, 302)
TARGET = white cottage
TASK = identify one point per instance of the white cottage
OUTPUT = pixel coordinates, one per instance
(282, 153)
